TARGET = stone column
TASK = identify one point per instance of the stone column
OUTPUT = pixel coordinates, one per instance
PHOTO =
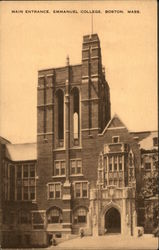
(134, 221)
(94, 208)
(123, 214)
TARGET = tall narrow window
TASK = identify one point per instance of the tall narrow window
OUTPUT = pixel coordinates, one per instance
(105, 164)
(110, 163)
(120, 163)
(60, 101)
(75, 125)
(115, 163)
(76, 116)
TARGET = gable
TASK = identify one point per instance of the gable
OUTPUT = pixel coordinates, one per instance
(115, 123)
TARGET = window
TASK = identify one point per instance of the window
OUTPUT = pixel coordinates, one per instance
(78, 190)
(120, 163)
(79, 166)
(76, 167)
(26, 182)
(54, 216)
(84, 189)
(130, 159)
(81, 190)
(80, 215)
(57, 168)
(105, 164)
(60, 168)
(19, 190)
(32, 193)
(75, 95)
(155, 141)
(115, 163)
(19, 171)
(100, 175)
(12, 182)
(147, 165)
(32, 170)
(26, 194)
(57, 191)
(75, 125)
(60, 104)
(54, 191)
(115, 139)
(25, 171)
(110, 164)
(73, 167)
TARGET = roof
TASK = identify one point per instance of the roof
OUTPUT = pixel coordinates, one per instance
(21, 152)
(3, 140)
(147, 143)
(114, 123)
(51, 70)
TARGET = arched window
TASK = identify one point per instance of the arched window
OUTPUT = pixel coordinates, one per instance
(76, 115)
(80, 215)
(54, 216)
(75, 125)
(60, 104)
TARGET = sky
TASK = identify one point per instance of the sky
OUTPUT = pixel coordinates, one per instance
(30, 42)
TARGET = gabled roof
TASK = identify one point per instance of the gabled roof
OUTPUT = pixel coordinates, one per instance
(3, 140)
(114, 123)
(147, 143)
(21, 152)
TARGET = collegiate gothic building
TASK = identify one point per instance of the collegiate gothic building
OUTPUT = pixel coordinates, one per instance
(85, 171)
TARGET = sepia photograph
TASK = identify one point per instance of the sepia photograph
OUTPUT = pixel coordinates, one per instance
(79, 125)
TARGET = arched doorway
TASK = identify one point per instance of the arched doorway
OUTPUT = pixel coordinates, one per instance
(112, 221)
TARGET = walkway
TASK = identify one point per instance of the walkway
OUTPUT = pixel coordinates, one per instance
(117, 242)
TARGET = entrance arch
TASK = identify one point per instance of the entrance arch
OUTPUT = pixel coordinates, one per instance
(112, 221)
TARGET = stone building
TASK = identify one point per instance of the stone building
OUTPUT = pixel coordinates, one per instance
(86, 168)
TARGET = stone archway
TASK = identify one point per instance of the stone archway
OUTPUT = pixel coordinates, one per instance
(112, 221)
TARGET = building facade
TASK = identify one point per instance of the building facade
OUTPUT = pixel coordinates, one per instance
(86, 168)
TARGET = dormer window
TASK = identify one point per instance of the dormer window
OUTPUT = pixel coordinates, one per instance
(155, 141)
(115, 139)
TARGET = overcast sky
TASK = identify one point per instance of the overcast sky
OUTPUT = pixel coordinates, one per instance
(30, 42)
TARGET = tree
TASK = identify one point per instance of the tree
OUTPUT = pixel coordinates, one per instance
(149, 194)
